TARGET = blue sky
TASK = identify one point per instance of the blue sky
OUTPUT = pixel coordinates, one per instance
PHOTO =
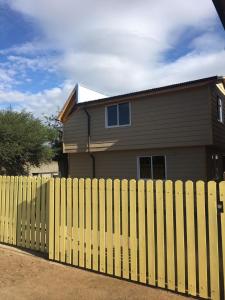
(113, 47)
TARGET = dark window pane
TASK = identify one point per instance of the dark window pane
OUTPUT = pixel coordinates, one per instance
(145, 167)
(223, 163)
(124, 114)
(219, 110)
(112, 115)
(159, 167)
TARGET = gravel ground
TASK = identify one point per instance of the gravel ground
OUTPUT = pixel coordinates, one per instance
(26, 276)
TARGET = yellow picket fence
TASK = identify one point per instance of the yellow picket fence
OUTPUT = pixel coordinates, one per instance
(165, 234)
(24, 212)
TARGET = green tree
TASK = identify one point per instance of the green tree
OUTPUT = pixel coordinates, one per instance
(24, 141)
(57, 145)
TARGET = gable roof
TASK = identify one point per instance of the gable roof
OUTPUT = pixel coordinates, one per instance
(69, 105)
(79, 94)
(220, 7)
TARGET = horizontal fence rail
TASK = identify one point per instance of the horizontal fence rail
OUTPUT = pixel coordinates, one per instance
(160, 233)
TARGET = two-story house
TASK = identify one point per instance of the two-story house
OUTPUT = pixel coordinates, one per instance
(171, 132)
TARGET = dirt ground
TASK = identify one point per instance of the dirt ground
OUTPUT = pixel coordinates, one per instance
(26, 276)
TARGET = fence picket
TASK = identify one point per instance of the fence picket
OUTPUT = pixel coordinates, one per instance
(202, 248)
(222, 198)
(191, 251)
(57, 193)
(125, 238)
(95, 224)
(88, 222)
(33, 209)
(51, 204)
(43, 211)
(3, 209)
(151, 232)
(47, 214)
(109, 238)
(75, 221)
(170, 234)
(102, 223)
(213, 241)
(81, 222)
(141, 231)
(15, 207)
(11, 199)
(24, 212)
(133, 230)
(160, 234)
(38, 212)
(180, 236)
(28, 208)
(117, 224)
(6, 210)
(63, 221)
(69, 220)
(19, 214)
(6, 229)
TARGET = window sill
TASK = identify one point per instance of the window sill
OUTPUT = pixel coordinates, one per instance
(118, 126)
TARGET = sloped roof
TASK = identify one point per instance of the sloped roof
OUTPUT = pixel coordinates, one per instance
(157, 90)
(80, 94)
(72, 100)
(220, 7)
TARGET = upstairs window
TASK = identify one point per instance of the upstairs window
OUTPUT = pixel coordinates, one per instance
(152, 167)
(219, 110)
(118, 115)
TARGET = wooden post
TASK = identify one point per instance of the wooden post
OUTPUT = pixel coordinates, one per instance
(51, 218)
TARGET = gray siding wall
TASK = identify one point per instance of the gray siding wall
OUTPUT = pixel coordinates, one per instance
(79, 165)
(176, 119)
(218, 127)
(75, 132)
(182, 163)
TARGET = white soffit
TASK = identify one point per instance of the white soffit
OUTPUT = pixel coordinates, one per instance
(85, 95)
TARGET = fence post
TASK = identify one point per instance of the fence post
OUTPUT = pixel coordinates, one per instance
(160, 234)
(51, 218)
(15, 208)
(222, 215)
(213, 241)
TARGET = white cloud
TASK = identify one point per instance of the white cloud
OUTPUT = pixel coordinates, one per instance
(38, 63)
(28, 48)
(119, 46)
(46, 102)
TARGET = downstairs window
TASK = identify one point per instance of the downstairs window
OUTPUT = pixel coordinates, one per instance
(152, 167)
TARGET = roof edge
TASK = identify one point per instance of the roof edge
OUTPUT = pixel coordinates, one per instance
(62, 114)
(68, 106)
(162, 89)
(220, 7)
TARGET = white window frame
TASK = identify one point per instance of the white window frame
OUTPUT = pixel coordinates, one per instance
(220, 116)
(106, 115)
(151, 156)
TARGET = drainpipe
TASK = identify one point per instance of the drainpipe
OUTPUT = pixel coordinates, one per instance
(89, 141)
